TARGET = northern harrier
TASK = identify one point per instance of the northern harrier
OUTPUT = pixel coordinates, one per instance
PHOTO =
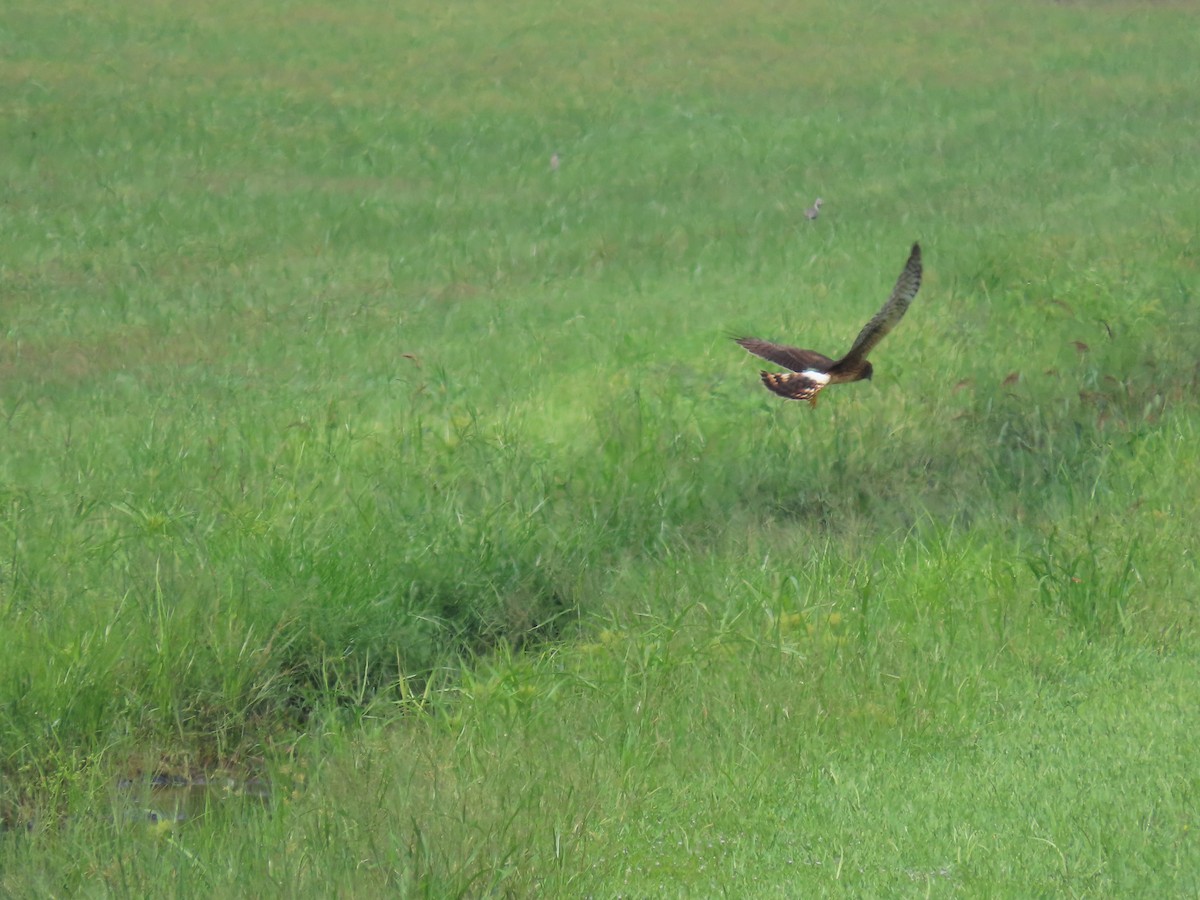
(813, 211)
(811, 371)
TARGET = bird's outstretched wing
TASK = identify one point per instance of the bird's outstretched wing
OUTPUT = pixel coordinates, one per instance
(893, 311)
(789, 357)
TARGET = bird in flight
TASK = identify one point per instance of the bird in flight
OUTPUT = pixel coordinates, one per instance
(813, 211)
(811, 371)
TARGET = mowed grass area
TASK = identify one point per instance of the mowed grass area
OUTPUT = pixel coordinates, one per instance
(346, 444)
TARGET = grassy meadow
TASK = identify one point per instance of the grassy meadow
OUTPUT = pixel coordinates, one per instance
(349, 448)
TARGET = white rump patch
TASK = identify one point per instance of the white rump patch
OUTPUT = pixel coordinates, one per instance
(821, 378)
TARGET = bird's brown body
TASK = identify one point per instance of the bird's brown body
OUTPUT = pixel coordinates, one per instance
(812, 371)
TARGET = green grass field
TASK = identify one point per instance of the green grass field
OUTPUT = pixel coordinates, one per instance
(345, 444)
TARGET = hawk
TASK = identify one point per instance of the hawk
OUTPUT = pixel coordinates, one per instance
(811, 371)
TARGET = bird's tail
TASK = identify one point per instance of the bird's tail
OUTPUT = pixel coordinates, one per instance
(793, 385)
